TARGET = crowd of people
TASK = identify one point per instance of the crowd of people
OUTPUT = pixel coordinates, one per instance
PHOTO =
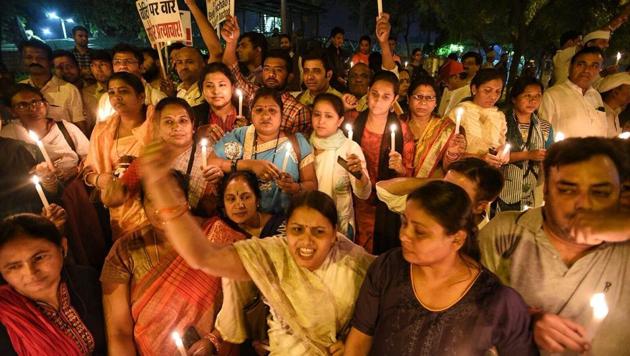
(260, 200)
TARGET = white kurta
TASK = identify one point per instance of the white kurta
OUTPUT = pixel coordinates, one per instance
(485, 128)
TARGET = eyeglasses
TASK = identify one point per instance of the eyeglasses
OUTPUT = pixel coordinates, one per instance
(124, 61)
(35, 104)
(425, 98)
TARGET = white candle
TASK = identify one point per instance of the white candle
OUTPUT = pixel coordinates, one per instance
(506, 151)
(40, 191)
(39, 143)
(624, 135)
(392, 128)
(179, 343)
(204, 153)
(406, 64)
(232, 7)
(349, 130)
(600, 311)
(559, 136)
(239, 92)
(379, 4)
(289, 148)
(618, 58)
(351, 64)
(458, 119)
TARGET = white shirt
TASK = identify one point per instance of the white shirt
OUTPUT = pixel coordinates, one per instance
(573, 113)
(60, 152)
(192, 95)
(484, 128)
(612, 121)
(64, 99)
(446, 97)
(561, 64)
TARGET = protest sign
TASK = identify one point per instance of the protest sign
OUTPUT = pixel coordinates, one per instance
(187, 25)
(161, 20)
(218, 11)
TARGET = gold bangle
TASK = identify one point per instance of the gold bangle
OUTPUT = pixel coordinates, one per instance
(171, 213)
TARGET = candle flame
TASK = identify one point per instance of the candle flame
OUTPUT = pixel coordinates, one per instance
(600, 308)
(351, 64)
(239, 92)
(459, 112)
(33, 135)
(406, 63)
(35, 180)
(618, 56)
(177, 339)
(624, 135)
(203, 142)
(348, 127)
(105, 112)
(392, 128)
(559, 136)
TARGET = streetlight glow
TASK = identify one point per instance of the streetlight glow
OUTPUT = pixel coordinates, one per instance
(52, 15)
(46, 31)
(69, 20)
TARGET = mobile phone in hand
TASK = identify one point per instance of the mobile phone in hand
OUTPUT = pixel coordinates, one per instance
(344, 164)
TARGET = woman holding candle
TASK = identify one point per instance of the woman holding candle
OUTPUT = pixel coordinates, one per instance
(115, 142)
(437, 142)
(372, 130)
(308, 277)
(432, 296)
(149, 291)
(530, 136)
(62, 142)
(173, 120)
(218, 115)
(263, 149)
(46, 307)
(330, 144)
(483, 123)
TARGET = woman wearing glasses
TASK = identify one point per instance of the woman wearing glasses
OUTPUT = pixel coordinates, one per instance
(282, 162)
(437, 144)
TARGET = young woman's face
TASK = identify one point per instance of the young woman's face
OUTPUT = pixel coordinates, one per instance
(266, 116)
(424, 241)
(381, 96)
(240, 201)
(32, 266)
(325, 118)
(311, 236)
(422, 101)
(529, 100)
(123, 97)
(175, 127)
(488, 93)
(29, 107)
(217, 89)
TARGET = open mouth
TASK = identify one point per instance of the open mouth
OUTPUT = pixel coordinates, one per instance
(306, 252)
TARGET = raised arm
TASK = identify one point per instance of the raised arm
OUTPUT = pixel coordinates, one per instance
(182, 230)
(207, 32)
(230, 33)
(383, 28)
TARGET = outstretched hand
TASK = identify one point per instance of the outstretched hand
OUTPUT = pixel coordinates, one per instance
(230, 30)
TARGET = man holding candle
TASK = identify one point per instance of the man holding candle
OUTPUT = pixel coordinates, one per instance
(542, 252)
(277, 67)
(63, 98)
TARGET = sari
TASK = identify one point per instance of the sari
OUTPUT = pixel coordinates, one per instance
(105, 154)
(170, 295)
(300, 323)
(431, 148)
(241, 144)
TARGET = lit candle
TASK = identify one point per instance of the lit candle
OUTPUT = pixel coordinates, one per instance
(39, 143)
(624, 135)
(40, 191)
(349, 130)
(105, 112)
(406, 64)
(600, 311)
(289, 148)
(179, 343)
(379, 4)
(618, 58)
(239, 92)
(351, 64)
(392, 128)
(458, 119)
(559, 136)
(506, 151)
(204, 153)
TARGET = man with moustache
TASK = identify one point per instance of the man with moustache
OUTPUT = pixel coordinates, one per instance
(67, 68)
(64, 99)
(574, 107)
(358, 83)
(317, 75)
(188, 64)
(557, 262)
(296, 117)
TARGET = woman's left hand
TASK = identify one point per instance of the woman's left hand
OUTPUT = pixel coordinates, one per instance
(212, 174)
(457, 145)
(286, 183)
(336, 349)
(56, 214)
(395, 163)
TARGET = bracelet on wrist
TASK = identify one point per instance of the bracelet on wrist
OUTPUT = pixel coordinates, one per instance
(172, 212)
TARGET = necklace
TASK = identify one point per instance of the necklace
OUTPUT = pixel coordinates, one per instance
(275, 148)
